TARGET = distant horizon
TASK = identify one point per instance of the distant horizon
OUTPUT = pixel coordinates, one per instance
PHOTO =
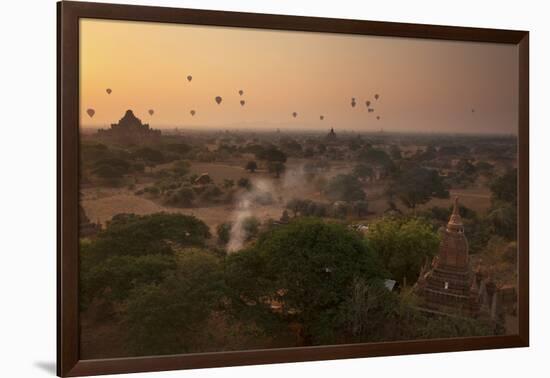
(429, 86)
(211, 129)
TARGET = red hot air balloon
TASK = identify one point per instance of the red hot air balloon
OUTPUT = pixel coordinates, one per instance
(218, 99)
(294, 114)
(90, 112)
(241, 92)
(376, 96)
(108, 90)
(367, 103)
(189, 77)
(242, 102)
(192, 113)
(151, 112)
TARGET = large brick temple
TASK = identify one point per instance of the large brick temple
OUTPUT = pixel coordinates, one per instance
(130, 130)
(449, 285)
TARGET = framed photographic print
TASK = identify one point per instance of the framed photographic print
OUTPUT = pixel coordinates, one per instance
(246, 188)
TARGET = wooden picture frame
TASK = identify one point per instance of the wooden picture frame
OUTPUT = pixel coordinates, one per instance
(69, 13)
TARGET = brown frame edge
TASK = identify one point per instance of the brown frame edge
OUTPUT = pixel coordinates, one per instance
(68, 15)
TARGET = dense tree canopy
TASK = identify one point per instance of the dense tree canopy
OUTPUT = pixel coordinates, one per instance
(134, 249)
(276, 167)
(308, 266)
(170, 317)
(251, 166)
(374, 156)
(272, 154)
(417, 185)
(345, 188)
(149, 156)
(403, 245)
(504, 188)
(363, 171)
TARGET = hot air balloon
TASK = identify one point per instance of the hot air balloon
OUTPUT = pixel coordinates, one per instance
(473, 110)
(108, 90)
(353, 102)
(192, 113)
(241, 92)
(378, 117)
(367, 103)
(376, 96)
(90, 112)
(242, 102)
(218, 99)
(371, 110)
(151, 112)
(189, 77)
(294, 114)
(321, 117)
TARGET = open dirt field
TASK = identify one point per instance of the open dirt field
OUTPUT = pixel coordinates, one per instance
(102, 203)
(102, 209)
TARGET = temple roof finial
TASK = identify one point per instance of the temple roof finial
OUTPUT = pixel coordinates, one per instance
(455, 221)
(455, 206)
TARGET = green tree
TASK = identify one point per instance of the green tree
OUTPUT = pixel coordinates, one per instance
(134, 235)
(276, 167)
(345, 188)
(151, 157)
(466, 166)
(504, 188)
(113, 278)
(284, 217)
(485, 168)
(251, 166)
(211, 193)
(181, 168)
(403, 245)
(374, 156)
(360, 208)
(224, 232)
(133, 250)
(395, 152)
(182, 197)
(111, 168)
(228, 183)
(251, 227)
(363, 171)
(308, 266)
(503, 220)
(171, 317)
(244, 183)
(272, 154)
(418, 185)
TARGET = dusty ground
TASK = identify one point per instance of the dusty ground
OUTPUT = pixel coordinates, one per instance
(101, 203)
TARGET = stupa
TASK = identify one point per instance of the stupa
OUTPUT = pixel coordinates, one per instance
(449, 285)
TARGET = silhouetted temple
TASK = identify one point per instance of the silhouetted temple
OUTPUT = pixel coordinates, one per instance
(130, 130)
(449, 285)
(331, 135)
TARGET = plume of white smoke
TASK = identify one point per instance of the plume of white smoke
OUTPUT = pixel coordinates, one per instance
(245, 209)
(294, 178)
(237, 234)
(247, 202)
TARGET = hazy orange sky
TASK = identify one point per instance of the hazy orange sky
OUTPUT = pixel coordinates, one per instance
(424, 85)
